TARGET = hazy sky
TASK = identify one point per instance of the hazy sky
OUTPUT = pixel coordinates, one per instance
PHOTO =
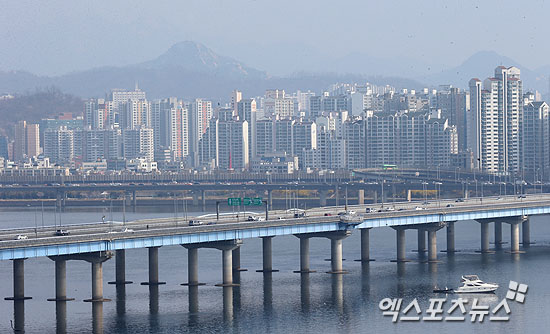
(55, 36)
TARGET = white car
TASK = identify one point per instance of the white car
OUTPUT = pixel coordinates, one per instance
(126, 230)
(21, 237)
(419, 208)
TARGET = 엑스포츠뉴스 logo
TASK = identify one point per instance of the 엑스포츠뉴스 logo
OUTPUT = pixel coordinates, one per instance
(458, 309)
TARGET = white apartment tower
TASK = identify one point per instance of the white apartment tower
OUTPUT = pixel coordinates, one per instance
(494, 122)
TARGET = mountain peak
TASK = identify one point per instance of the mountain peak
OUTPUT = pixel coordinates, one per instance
(196, 57)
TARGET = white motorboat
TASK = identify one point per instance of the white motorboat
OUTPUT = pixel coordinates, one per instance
(472, 284)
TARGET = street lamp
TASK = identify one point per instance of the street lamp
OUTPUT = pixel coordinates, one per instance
(382, 185)
(425, 189)
(438, 193)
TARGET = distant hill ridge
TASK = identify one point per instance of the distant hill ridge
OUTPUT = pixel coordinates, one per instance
(189, 69)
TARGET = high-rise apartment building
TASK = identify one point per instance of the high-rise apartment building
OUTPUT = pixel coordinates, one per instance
(494, 122)
(408, 139)
(4, 153)
(233, 145)
(138, 143)
(27, 140)
(535, 141)
(246, 110)
(59, 145)
(33, 140)
(199, 118)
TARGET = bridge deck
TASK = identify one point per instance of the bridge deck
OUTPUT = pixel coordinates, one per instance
(168, 231)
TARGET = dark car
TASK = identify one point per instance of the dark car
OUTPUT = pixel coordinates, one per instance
(459, 200)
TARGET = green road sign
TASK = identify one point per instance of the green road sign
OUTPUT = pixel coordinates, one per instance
(234, 201)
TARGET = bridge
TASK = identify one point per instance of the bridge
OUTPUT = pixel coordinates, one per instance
(98, 242)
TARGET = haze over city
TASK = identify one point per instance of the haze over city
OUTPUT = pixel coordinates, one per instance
(282, 37)
(227, 157)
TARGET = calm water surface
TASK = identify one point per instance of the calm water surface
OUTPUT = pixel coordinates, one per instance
(282, 302)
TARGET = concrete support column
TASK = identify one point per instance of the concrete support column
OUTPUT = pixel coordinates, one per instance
(267, 256)
(514, 238)
(432, 245)
(203, 199)
(195, 199)
(336, 256)
(365, 245)
(451, 237)
(485, 237)
(96, 259)
(323, 197)
(270, 198)
(153, 267)
(120, 268)
(526, 233)
(304, 256)
(400, 233)
(60, 282)
(18, 280)
(498, 235)
(192, 267)
(134, 199)
(409, 195)
(227, 259)
(337, 195)
(361, 196)
(237, 258)
(227, 264)
(421, 240)
(97, 281)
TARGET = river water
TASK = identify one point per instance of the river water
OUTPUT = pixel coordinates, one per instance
(282, 302)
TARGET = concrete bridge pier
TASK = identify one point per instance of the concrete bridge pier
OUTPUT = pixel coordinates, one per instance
(337, 195)
(18, 281)
(120, 268)
(451, 237)
(432, 241)
(203, 199)
(514, 233)
(400, 236)
(192, 266)
(336, 251)
(267, 256)
(270, 198)
(237, 260)
(195, 199)
(134, 200)
(323, 197)
(304, 255)
(96, 259)
(361, 196)
(526, 232)
(421, 240)
(485, 236)
(365, 245)
(153, 267)
(60, 281)
(498, 235)
(227, 248)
